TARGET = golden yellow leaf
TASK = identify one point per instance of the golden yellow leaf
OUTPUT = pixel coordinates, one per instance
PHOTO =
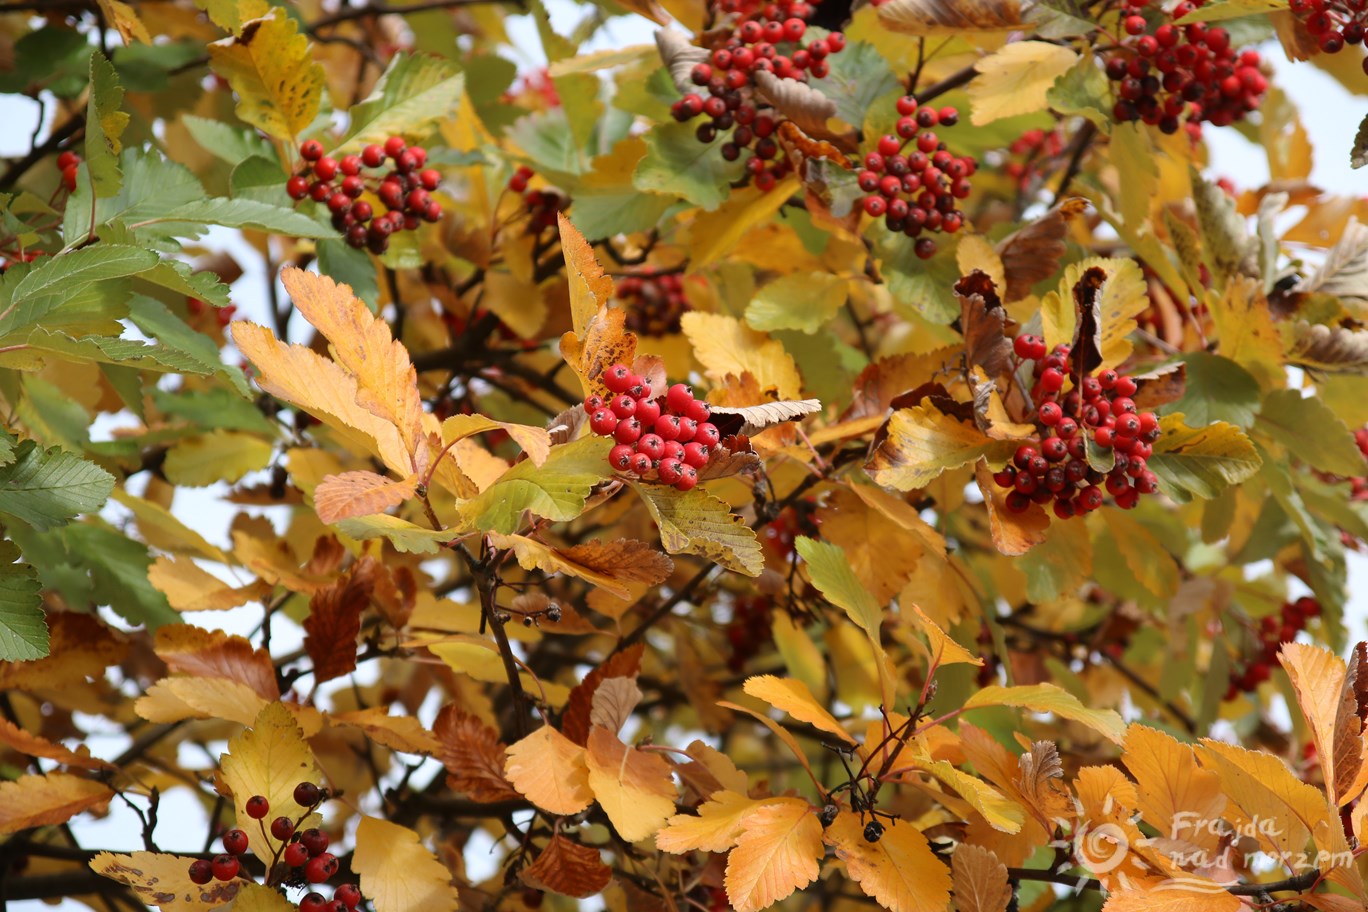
(1015, 79)
(1318, 677)
(776, 854)
(1121, 297)
(1013, 533)
(33, 745)
(216, 456)
(712, 234)
(900, 871)
(793, 697)
(278, 84)
(979, 880)
(724, 345)
(188, 587)
(633, 787)
(401, 733)
(590, 289)
(1176, 896)
(943, 649)
(164, 531)
(79, 646)
(32, 801)
(923, 442)
(359, 493)
(550, 770)
(568, 868)
(1051, 698)
(948, 17)
(269, 759)
(613, 565)
(999, 812)
(535, 441)
(164, 881)
(852, 522)
(717, 825)
(255, 897)
(1246, 331)
(398, 873)
(124, 18)
(603, 343)
(1173, 793)
(180, 698)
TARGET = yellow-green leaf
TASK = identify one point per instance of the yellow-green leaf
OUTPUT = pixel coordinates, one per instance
(1015, 79)
(1050, 698)
(278, 83)
(695, 522)
(1201, 462)
(923, 443)
(216, 456)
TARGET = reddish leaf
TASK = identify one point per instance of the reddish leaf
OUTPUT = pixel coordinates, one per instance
(215, 654)
(575, 722)
(473, 755)
(568, 868)
(334, 622)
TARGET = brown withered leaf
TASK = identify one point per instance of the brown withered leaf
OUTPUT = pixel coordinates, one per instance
(1160, 386)
(401, 733)
(623, 560)
(724, 463)
(752, 419)
(606, 342)
(32, 745)
(578, 708)
(807, 108)
(1040, 779)
(979, 880)
(950, 17)
(361, 493)
(214, 654)
(680, 57)
(881, 381)
(1087, 352)
(334, 622)
(1348, 748)
(565, 427)
(395, 591)
(473, 756)
(567, 868)
(1329, 349)
(614, 700)
(1031, 254)
(804, 148)
(982, 319)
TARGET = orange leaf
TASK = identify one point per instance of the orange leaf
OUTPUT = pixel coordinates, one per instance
(1013, 533)
(793, 697)
(549, 769)
(401, 733)
(334, 622)
(214, 654)
(80, 646)
(590, 289)
(33, 745)
(604, 342)
(634, 788)
(473, 756)
(980, 880)
(568, 868)
(900, 871)
(609, 565)
(32, 801)
(716, 827)
(352, 494)
(776, 854)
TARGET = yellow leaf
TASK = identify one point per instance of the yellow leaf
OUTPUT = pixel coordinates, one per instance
(590, 289)
(776, 854)
(269, 759)
(633, 787)
(387, 384)
(125, 19)
(535, 441)
(550, 770)
(724, 345)
(216, 456)
(608, 565)
(269, 66)
(944, 650)
(717, 825)
(397, 871)
(1145, 555)
(1122, 297)
(714, 233)
(1246, 333)
(164, 531)
(179, 698)
(322, 388)
(34, 745)
(1330, 706)
(696, 522)
(950, 17)
(801, 656)
(603, 343)
(899, 871)
(164, 881)
(1000, 812)
(1013, 533)
(974, 252)
(776, 729)
(359, 493)
(32, 801)
(980, 880)
(1174, 794)
(852, 522)
(401, 733)
(1015, 79)
(923, 443)
(793, 697)
(1050, 698)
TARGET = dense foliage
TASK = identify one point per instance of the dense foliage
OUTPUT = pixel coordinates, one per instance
(823, 458)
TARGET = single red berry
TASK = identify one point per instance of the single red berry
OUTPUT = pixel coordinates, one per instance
(695, 454)
(320, 868)
(430, 178)
(624, 406)
(313, 902)
(1050, 413)
(348, 894)
(297, 187)
(699, 411)
(325, 168)
(315, 840)
(258, 807)
(688, 478)
(373, 156)
(617, 378)
(640, 463)
(235, 841)
(295, 854)
(311, 150)
(282, 828)
(652, 445)
(707, 434)
(670, 470)
(678, 398)
(1018, 502)
(648, 412)
(628, 430)
(687, 429)
(225, 867)
(201, 871)
(620, 457)
(67, 159)
(395, 146)
(306, 794)
(603, 422)
(925, 248)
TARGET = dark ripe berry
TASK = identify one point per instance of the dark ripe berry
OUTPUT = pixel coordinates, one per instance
(1076, 470)
(927, 118)
(339, 203)
(320, 868)
(1050, 413)
(1018, 502)
(1054, 449)
(225, 867)
(1005, 478)
(925, 248)
(1024, 455)
(295, 854)
(257, 807)
(641, 463)
(315, 840)
(948, 117)
(353, 186)
(297, 187)
(311, 150)
(1065, 509)
(1025, 483)
(1039, 466)
(395, 146)
(349, 895)
(201, 871)
(319, 191)
(648, 412)
(873, 831)
(868, 181)
(628, 430)
(306, 794)
(282, 828)
(235, 841)
(356, 236)
(670, 470)
(624, 406)
(688, 478)
(313, 902)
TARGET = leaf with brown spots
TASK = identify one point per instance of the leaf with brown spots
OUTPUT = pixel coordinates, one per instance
(567, 868)
(214, 654)
(612, 565)
(164, 881)
(605, 342)
(473, 756)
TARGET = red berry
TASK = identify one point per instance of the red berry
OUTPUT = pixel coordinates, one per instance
(617, 378)
(647, 412)
(295, 854)
(687, 429)
(297, 187)
(1050, 413)
(313, 902)
(315, 840)
(257, 807)
(373, 156)
(225, 867)
(670, 470)
(652, 445)
(348, 894)
(707, 434)
(628, 430)
(620, 457)
(603, 422)
(282, 828)
(320, 868)
(67, 159)
(678, 398)
(641, 463)
(201, 871)
(696, 455)
(311, 150)
(235, 841)
(874, 205)
(688, 478)
(623, 406)
(699, 411)
(325, 168)
(667, 426)
(395, 146)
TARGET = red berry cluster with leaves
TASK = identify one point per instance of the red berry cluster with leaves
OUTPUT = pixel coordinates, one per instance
(1171, 74)
(800, 518)
(304, 853)
(768, 36)
(1031, 150)
(749, 629)
(913, 181)
(654, 302)
(1274, 630)
(542, 205)
(666, 438)
(1057, 468)
(1333, 23)
(222, 315)
(339, 183)
(1359, 485)
(69, 163)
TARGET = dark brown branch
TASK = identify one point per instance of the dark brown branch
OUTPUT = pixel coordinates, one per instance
(948, 84)
(1082, 142)
(50, 145)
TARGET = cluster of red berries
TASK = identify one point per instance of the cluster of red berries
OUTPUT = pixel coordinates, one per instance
(1057, 468)
(917, 191)
(69, 163)
(222, 315)
(1333, 23)
(1274, 630)
(654, 302)
(1359, 486)
(768, 36)
(749, 629)
(669, 437)
(542, 205)
(800, 518)
(405, 190)
(1182, 73)
(1030, 151)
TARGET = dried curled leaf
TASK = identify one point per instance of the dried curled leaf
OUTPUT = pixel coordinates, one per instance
(981, 323)
(1344, 271)
(979, 880)
(948, 17)
(1332, 349)
(1032, 253)
(807, 107)
(680, 57)
(567, 868)
(473, 756)
(753, 419)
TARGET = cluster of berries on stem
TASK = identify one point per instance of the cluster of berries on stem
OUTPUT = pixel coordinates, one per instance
(799, 518)
(667, 437)
(655, 302)
(1030, 151)
(339, 183)
(1174, 74)
(1057, 468)
(768, 36)
(1274, 630)
(542, 205)
(749, 629)
(69, 163)
(914, 183)
(1333, 23)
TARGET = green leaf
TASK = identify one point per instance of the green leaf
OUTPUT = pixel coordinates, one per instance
(98, 350)
(1132, 150)
(23, 631)
(801, 301)
(546, 139)
(621, 211)
(152, 186)
(216, 456)
(830, 571)
(215, 407)
(1224, 236)
(1060, 564)
(1311, 432)
(1201, 462)
(118, 571)
(229, 143)
(404, 535)
(1218, 389)
(416, 91)
(556, 490)
(156, 319)
(696, 522)
(194, 219)
(858, 77)
(105, 123)
(179, 277)
(53, 283)
(341, 261)
(257, 178)
(49, 488)
(7, 447)
(1082, 91)
(677, 163)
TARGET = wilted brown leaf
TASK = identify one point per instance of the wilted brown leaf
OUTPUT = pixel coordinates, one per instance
(215, 654)
(567, 868)
(806, 107)
(614, 700)
(334, 622)
(982, 317)
(946, 17)
(473, 756)
(1031, 254)
(576, 721)
(979, 880)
